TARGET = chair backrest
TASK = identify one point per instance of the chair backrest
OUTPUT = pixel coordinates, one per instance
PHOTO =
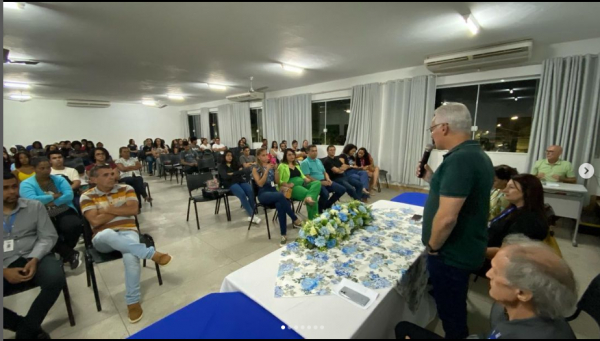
(72, 163)
(87, 234)
(195, 182)
(590, 301)
(412, 198)
(175, 159)
(165, 159)
(253, 152)
(206, 163)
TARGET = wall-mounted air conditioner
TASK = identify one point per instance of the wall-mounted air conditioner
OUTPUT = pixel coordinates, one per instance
(77, 103)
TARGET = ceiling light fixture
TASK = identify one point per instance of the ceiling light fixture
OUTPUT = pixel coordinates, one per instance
(217, 87)
(516, 99)
(472, 24)
(14, 85)
(514, 118)
(502, 80)
(348, 111)
(499, 125)
(176, 97)
(511, 91)
(149, 102)
(14, 5)
(292, 68)
(20, 97)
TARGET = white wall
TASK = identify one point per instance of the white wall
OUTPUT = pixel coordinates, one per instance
(52, 121)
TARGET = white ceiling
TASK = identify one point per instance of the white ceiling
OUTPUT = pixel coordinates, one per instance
(125, 51)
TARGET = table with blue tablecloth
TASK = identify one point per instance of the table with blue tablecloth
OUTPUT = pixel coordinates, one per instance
(219, 316)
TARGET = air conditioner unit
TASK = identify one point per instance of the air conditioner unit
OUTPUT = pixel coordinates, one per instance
(247, 97)
(78, 103)
(485, 57)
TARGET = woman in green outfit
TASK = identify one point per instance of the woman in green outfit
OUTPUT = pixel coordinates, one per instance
(302, 188)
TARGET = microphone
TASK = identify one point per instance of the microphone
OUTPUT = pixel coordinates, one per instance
(424, 160)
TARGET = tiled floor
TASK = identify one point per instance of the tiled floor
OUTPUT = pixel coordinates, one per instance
(203, 259)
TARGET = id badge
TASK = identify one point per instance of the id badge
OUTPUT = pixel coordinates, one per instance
(272, 184)
(9, 246)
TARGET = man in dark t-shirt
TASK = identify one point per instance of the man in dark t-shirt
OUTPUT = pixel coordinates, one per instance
(335, 168)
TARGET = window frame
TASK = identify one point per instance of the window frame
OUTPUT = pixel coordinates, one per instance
(325, 113)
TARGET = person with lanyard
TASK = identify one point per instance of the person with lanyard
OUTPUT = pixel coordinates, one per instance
(303, 188)
(314, 170)
(533, 289)
(232, 178)
(28, 261)
(498, 202)
(56, 194)
(525, 215)
(131, 175)
(266, 177)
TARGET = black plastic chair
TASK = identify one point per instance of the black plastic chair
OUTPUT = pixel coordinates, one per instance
(148, 191)
(166, 163)
(383, 173)
(195, 182)
(92, 256)
(29, 286)
(175, 167)
(252, 152)
(589, 302)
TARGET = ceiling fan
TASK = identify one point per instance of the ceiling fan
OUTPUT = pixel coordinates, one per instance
(256, 90)
(22, 62)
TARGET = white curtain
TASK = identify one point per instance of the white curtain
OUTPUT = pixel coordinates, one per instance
(390, 121)
(203, 129)
(234, 123)
(366, 103)
(185, 124)
(288, 118)
(567, 110)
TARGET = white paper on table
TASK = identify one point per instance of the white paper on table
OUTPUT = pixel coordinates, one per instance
(372, 295)
(552, 184)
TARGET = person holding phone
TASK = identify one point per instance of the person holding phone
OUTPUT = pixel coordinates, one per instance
(30, 261)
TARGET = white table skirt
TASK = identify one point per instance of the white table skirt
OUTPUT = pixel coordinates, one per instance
(327, 317)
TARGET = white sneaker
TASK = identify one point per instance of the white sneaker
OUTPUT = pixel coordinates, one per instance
(249, 219)
(256, 220)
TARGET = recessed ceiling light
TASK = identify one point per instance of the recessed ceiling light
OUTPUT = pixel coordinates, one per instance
(514, 118)
(14, 5)
(14, 85)
(176, 97)
(292, 68)
(516, 99)
(511, 91)
(149, 102)
(472, 24)
(20, 97)
(502, 81)
(217, 87)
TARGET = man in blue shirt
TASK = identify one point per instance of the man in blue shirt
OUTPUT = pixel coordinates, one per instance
(314, 170)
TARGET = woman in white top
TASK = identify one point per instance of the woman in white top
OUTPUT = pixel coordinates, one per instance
(131, 174)
(159, 149)
(205, 146)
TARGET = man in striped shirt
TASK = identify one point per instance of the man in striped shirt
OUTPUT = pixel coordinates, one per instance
(110, 208)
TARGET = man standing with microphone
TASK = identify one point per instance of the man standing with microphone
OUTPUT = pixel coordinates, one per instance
(455, 216)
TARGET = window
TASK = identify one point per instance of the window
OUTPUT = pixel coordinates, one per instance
(256, 124)
(192, 125)
(213, 121)
(330, 121)
(502, 112)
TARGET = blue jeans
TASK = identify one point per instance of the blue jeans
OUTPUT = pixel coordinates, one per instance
(270, 196)
(361, 175)
(128, 243)
(243, 191)
(150, 160)
(450, 287)
(325, 202)
(353, 186)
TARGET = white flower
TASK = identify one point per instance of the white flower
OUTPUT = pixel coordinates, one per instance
(313, 231)
(345, 211)
(323, 217)
(330, 228)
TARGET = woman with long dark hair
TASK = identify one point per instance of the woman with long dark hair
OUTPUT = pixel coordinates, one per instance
(302, 188)
(498, 202)
(355, 171)
(23, 168)
(37, 150)
(365, 161)
(232, 177)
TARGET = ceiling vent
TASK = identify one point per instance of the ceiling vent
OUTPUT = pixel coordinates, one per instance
(78, 103)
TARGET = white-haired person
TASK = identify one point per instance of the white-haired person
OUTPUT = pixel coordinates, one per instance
(553, 168)
(456, 214)
(533, 289)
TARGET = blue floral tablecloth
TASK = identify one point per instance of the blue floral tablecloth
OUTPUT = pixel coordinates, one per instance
(376, 257)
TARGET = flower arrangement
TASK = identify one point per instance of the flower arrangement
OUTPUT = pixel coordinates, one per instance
(334, 226)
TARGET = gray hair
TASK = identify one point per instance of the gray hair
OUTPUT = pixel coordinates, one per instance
(457, 116)
(96, 169)
(535, 267)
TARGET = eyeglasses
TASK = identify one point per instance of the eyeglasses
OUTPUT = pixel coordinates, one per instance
(432, 128)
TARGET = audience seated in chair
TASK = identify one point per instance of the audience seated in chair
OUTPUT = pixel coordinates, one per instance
(247, 160)
(58, 168)
(232, 178)
(533, 289)
(189, 159)
(205, 145)
(30, 261)
(242, 143)
(525, 215)
(336, 170)
(130, 172)
(355, 171)
(265, 144)
(148, 154)
(553, 168)
(365, 161)
(218, 147)
(23, 168)
(498, 202)
(314, 170)
(56, 194)
(100, 158)
(159, 149)
(266, 177)
(110, 209)
(133, 148)
(38, 150)
(79, 152)
(303, 189)
(66, 149)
